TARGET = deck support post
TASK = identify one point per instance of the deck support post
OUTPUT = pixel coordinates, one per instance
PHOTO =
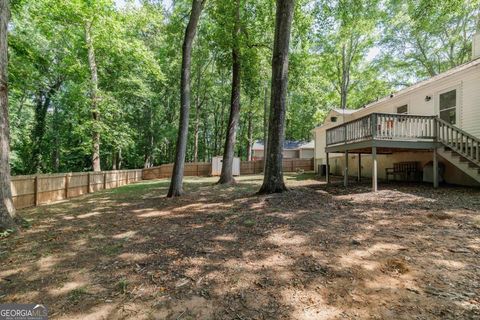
(359, 171)
(374, 170)
(327, 171)
(345, 170)
(435, 168)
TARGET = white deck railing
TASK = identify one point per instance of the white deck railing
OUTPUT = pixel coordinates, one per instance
(383, 126)
(458, 140)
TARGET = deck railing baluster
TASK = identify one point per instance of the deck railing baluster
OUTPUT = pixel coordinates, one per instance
(478, 152)
(393, 126)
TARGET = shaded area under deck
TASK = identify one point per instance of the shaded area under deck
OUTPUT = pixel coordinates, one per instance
(379, 133)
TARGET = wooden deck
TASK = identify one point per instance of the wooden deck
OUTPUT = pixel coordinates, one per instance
(383, 133)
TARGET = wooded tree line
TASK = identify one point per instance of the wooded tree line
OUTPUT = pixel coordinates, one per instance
(95, 85)
(92, 84)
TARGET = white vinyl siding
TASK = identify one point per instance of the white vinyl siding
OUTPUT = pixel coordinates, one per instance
(469, 112)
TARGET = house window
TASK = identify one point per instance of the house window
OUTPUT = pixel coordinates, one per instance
(333, 119)
(402, 110)
(448, 106)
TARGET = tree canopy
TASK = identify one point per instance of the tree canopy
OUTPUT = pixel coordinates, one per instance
(343, 53)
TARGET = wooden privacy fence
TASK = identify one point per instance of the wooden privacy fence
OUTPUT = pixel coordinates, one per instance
(205, 168)
(32, 190)
(165, 170)
(251, 167)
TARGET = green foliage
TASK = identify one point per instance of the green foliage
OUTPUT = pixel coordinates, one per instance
(6, 233)
(138, 53)
(424, 38)
(122, 286)
(77, 294)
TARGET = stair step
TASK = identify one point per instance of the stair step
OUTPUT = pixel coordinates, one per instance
(464, 164)
(473, 165)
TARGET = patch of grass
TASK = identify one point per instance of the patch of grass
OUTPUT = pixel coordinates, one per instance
(137, 188)
(112, 249)
(4, 254)
(77, 294)
(301, 176)
(122, 286)
(249, 223)
(26, 223)
(5, 233)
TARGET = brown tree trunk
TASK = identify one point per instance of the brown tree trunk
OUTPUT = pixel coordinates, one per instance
(56, 142)
(94, 96)
(7, 210)
(148, 153)
(273, 178)
(196, 131)
(197, 114)
(265, 126)
(43, 100)
(206, 141)
(114, 159)
(176, 184)
(249, 136)
(226, 175)
(119, 159)
(344, 80)
(478, 22)
(148, 148)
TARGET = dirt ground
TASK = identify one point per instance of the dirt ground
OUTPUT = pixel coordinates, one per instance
(316, 252)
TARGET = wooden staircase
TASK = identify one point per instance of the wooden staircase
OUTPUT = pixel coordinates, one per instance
(459, 148)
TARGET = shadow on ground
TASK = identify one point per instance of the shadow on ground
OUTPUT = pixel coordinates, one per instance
(316, 252)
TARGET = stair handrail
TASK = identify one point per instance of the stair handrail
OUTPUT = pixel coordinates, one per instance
(458, 129)
(447, 143)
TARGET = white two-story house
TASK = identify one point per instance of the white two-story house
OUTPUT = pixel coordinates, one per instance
(434, 123)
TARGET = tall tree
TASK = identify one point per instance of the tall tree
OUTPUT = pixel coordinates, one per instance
(273, 177)
(226, 175)
(42, 104)
(7, 211)
(478, 22)
(176, 184)
(426, 37)
(92, 63)
(344, 42)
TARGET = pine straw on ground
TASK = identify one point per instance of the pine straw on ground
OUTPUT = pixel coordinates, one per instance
(315, 252)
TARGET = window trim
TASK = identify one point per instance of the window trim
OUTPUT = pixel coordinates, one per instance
(457, 102)
(401, 105)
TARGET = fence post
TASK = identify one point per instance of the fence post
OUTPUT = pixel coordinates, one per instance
(88, 182)
(104, 180)
(35, 190)
(66, 186)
